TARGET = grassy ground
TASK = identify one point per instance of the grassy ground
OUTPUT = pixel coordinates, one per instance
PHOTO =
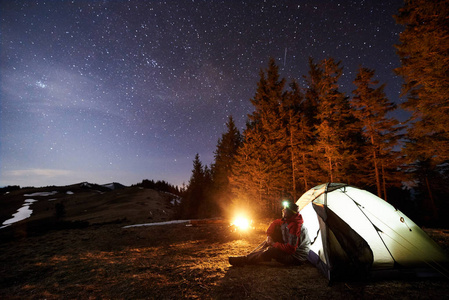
(173, 262)
(92, 256)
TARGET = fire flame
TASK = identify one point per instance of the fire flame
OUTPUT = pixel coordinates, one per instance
(241, 223)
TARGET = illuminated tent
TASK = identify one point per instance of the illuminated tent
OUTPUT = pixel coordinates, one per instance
(357, 234)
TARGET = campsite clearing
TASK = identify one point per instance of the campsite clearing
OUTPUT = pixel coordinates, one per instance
(173, 262)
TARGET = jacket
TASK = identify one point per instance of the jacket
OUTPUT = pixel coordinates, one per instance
(296, 240)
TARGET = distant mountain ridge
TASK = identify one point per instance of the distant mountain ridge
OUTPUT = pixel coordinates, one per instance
(84, 184)
(110, 186)
(87, 204)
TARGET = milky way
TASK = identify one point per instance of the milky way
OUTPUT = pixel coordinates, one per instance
(122, 91)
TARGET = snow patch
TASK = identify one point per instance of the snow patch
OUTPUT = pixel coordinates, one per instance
(85, 184)
(41, 194)
(176, 200)
(22, 213)
(158, 223)
(109, 186)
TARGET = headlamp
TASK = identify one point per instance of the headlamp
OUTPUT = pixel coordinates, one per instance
(285, 204)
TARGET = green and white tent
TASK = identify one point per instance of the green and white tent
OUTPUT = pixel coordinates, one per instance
(355, 233)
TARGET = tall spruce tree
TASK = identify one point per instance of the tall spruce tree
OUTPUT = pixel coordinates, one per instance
(299, 137)
(260, 163)
(380, 132)
(424, 53)
(310, 106)
(268, 120)
(208, 206)
(248, 174)
(225, 154)
(195, 196)
(291, 117)
(336, 128)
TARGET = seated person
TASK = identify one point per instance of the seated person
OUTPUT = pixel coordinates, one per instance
(287, 241)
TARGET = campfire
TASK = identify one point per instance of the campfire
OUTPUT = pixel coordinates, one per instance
(241, 224)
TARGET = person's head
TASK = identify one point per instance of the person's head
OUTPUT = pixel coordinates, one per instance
(289, 208)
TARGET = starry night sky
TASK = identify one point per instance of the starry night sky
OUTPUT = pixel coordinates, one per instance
(104, 91)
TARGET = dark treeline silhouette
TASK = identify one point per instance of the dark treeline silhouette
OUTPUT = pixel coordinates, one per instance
(160, 185)
(9, 188)
(298, 137)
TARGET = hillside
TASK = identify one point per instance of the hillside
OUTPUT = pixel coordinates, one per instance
(87, 204)
(93, 254)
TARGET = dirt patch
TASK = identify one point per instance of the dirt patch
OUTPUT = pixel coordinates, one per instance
(174, 262)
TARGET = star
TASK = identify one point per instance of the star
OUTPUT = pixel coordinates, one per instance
(133, 90)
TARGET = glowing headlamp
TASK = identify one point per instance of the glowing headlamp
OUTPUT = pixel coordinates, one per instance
(285, 204)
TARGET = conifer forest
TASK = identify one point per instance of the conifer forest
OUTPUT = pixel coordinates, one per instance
(303, 135)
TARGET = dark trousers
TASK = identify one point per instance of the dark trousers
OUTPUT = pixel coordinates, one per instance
(269, 253)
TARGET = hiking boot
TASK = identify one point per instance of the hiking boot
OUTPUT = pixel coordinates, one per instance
(238, 261)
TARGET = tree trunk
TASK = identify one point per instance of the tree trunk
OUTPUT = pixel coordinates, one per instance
(384, 182)
(292, 158)
(431, 202)
(304, 171)
(376, 170)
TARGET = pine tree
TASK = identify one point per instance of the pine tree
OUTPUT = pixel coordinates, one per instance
(208, 207)
(194, 197)
(424, 53)
(312, 157)
(249, 174)
(336, 128)
(381, 133)
(268, 125)
(291, 114)
(299, 137)
(260, 164)
(226, 150)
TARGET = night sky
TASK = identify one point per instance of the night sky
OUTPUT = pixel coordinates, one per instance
(105, 91)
